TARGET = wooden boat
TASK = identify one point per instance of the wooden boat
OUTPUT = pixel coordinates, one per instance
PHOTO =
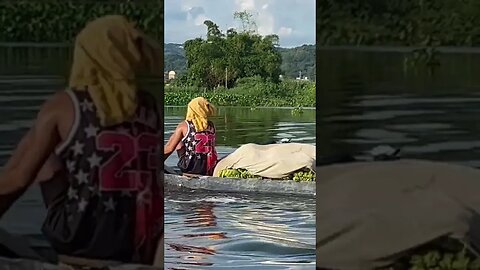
(237, 185)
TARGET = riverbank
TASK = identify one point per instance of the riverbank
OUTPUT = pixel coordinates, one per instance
(55, 21)
(398, 23)
(289, 93)
(392, 22)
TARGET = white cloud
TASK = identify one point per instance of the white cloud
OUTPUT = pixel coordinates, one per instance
(266, 24)
(200, 19)
(264, 19)
(245, 4)
(185, 6)
(292, 20)
(285, 31)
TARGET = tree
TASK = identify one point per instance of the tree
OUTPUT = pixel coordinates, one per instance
(221, 58)
(212, 30)
(247, 21)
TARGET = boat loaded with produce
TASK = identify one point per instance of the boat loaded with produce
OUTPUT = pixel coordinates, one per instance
(287, 168)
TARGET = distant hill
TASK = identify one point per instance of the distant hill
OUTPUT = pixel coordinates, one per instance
(174, 58)
(294, 60)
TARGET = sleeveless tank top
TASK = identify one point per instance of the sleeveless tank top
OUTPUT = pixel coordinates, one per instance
(198, 156)
(112, 208)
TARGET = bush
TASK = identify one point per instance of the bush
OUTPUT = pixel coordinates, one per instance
(249, 92)
(61, 20)
(398, 22)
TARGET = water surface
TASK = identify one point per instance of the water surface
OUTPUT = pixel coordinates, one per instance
(220, 231)
(368, 98)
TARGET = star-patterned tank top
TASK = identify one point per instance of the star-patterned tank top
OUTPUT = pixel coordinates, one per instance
(113, 207)
(198, 156)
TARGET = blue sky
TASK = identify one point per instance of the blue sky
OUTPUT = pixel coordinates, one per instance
(292, 20)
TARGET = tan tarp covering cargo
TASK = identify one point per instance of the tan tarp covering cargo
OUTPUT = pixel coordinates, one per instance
(369, 214)
(270, 161)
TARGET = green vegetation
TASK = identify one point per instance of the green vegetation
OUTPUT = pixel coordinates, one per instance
(426, 23)
(61, 20)
(248, 92)
(445, 261)
(223, 58)
(294, 60)
(174, 58)
(304, 175)
(442, 254)
(299, 59)
(297, 111)
(423, 24)
(236, 173)
(237, 68)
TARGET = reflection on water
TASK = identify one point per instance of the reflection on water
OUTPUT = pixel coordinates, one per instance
(368, 99)
(240, 231)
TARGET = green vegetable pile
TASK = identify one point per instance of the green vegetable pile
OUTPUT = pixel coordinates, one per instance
(303, 175)
(236, 173)
(439, 260)
(444, 261)
(442, 254)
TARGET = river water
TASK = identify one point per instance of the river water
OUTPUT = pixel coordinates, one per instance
(369, 98)
(220, 231)
(203, 230)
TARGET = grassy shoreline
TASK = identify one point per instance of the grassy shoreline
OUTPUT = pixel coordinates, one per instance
(58, 21)
(249, 92)
(398, 22)
(247, 107)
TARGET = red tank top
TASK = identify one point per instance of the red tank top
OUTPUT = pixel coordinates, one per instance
(113, 208)
(199, 155)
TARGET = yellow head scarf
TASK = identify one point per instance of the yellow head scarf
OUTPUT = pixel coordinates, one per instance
(109, 53)
(198, 111)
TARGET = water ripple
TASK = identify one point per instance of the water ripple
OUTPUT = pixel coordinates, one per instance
(245, 230)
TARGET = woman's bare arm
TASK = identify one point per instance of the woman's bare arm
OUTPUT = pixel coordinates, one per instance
(174, 140)
(30, 155)
(20, 151)
(49, 169)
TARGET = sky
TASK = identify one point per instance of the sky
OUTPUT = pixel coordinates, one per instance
(292, 20)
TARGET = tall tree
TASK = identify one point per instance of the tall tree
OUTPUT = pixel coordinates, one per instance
(246, 19)
(221, 58)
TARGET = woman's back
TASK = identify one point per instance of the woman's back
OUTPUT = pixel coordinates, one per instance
(112, 204)
(198, 154)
